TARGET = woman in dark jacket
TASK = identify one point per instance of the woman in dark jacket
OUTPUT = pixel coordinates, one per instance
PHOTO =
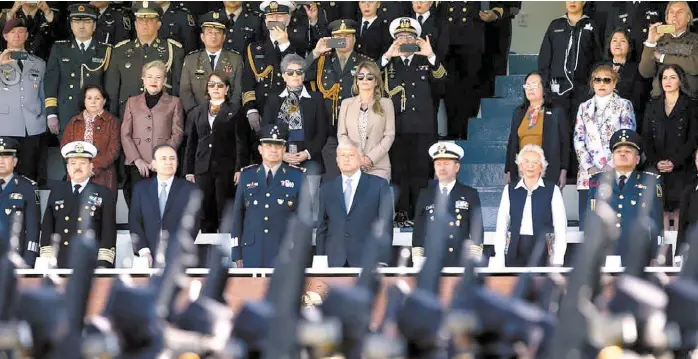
(670, 133)
(302, 112)
(631, 85)
(215, 153)
(537, 122)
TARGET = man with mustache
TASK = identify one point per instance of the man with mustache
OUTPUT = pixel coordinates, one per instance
(78, 205)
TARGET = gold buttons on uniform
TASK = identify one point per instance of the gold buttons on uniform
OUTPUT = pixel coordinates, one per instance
(618, 225)
(464, 19)
(266, 230)
(620, 206)
(79, 231)
(266, 206)
(71, 86)
(67, 218)
(70, 97)
(621, 197)
(79, 219)
(450, 10)
(65, 243)
(450, 236)
(65, 230)
(450, 249)
(268, 194)
(450, 224)
(266, 218)
(450, 19)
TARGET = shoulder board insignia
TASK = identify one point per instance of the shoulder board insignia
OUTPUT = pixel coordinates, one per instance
(122, 43)
(248, 167)
(61, 42)
(194, 51)
(29, 180)
(104, 44)
(652, 174)
(175, 42)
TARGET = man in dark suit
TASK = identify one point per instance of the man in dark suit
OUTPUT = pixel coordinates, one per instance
(18, 195)
(266, 197)
(70, 201)
(158, 204)
(349, 207)
(462, 207)
(373, 35)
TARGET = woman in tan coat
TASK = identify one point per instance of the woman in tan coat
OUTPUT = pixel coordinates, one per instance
(368, 119)
(99, 128)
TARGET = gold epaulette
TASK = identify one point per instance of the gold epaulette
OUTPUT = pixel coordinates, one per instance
(417, 252)
(396, 90)
(30, 180)
(122, 43)
(332, 93)
(106, 254)
(439, 72)
(253, 67)
(175, 42)
(51, 102)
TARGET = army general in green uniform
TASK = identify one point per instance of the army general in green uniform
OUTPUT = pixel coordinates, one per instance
(124, 75)
(74, 64)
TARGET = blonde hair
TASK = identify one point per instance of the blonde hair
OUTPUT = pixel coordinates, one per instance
(689, 13)
(377, 91)
(600, 69)
(537, 150)
(154, 64)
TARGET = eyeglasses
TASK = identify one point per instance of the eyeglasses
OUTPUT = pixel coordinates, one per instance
(295, 72)
(531, 86)
(606, 80)
(212, 85)
(368, 77)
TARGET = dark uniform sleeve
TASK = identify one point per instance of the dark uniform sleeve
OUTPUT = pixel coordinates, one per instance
(249, 83)
(242, 129)
(236, 96)
(657, 216)
(32, 221)
(684, 153)
(188, 32)
(387, 214)
(321, 123)
(135, 224)
(477, 228)
(192, 143)
(545, 56)
(52, 79)
(419, 225)
(238, 220)
(124, 29)
(321, 232)
(186, 88)
(45, 245)
(564, 136)
(112, 81)
(107, 244)
(177, 63)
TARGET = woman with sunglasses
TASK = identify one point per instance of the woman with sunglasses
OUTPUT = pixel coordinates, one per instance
(537, 122)
(150, 119)
(302, 112)
(368, 119)
(215, 152)
(670, 135)
(597, 120)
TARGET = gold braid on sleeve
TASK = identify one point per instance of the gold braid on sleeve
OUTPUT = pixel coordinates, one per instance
(332, 93)
(395, 91)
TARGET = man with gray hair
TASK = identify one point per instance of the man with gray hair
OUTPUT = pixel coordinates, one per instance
(531, 210)
(350, 205)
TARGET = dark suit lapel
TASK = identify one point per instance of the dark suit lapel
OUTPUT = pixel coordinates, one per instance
(9, 188)
(221, 117)
(340, 191)
(307, 111)
(336, 64)
(631, 181)
(153, 194)
(360, 190)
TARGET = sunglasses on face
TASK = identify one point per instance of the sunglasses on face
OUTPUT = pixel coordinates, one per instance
(367, 77)
(294, 72)
(606, 80)
(212, 85)
(531, 86)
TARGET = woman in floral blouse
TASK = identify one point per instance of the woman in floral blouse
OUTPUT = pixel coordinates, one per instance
(100, 128)
(597, 120)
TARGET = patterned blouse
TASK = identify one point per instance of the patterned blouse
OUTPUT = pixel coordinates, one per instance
(89, 125)
(592, 134)
(363, 127)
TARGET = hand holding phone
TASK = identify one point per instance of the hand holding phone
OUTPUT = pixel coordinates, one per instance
(409, 48)
(666, 29)
(19, 55)
(337, 43)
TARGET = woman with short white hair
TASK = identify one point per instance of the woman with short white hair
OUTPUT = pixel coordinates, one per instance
(531, 208)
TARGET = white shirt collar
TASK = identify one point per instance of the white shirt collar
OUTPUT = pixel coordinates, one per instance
(273, 169)
(82, 184)
(627, 175)
(168, 181)
(370, 21)
(424, 16)
(235, 13)
(354, 178)
(7, 180)
(679, 35)
(304, 93)
(217, 53)
(408, 58)
(87, 43)
(449, 186)
(521, 183)
(165, 7)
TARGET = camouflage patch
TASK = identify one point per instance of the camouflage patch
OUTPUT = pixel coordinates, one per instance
(190, 20)
(659, 191)
(127, 22)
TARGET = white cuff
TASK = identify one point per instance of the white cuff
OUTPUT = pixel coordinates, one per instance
(252, 111)
(234, 242)
(283, 47)
(432, 60)
(650, 44)
(143, 252)
(306, 151)
(384, 61)
(51, 116)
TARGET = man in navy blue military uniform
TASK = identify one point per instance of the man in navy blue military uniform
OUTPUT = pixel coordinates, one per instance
(18, 195)
(627, 187)
(462, 206)
(64, 211)
(266, 197)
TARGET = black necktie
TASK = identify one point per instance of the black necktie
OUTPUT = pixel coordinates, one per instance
(2, 183)
(276, 47)
(406, 62)
(76, 191)
(145, 48)
(82, 47)
(213, 61)
(364, 28)
(21, 66)
(420, 18)
(270, 176)
(621, 182)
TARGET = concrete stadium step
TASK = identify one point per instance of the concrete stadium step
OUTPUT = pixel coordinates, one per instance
(510, 87)
(482, 129)
(497, 107)
(521, 64)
